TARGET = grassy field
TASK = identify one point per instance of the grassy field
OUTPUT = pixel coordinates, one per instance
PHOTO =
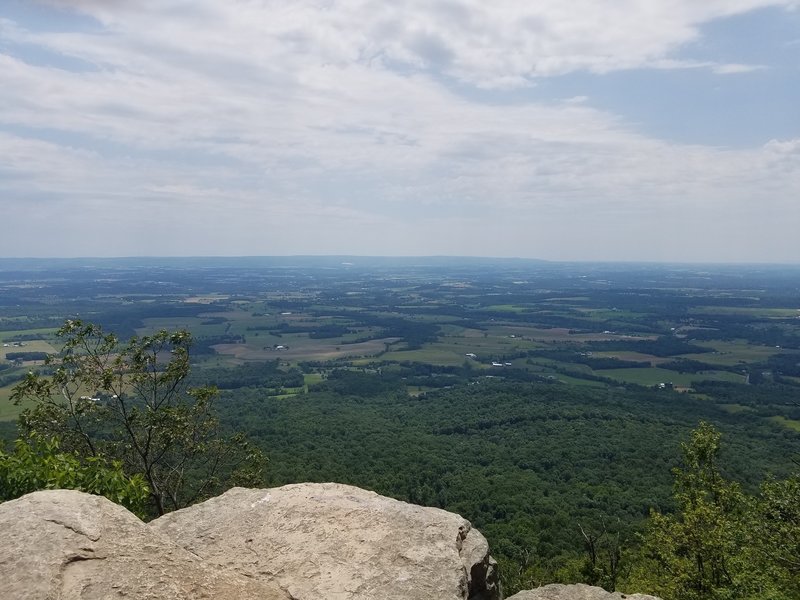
(609, 314)
(33, 346)
(757, 312)
(193, 324)
(634, 356)
(418, 390)
(434, 354)
(301, 348)
(49, 332)
(732, 353)
(312, 379)
(654, 376)
(735, 409)
(577, 381)
(784, 422)
(510, 308)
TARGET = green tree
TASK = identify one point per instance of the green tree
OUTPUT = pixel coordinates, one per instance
(130, 402)
(776, 535)
(39, 464)
(696, 552)
(721, 544)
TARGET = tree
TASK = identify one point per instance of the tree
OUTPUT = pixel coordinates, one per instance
(694, 553)
(39, 464)
(131, 402)
(776, 534)
(720, 543)
(603, 556)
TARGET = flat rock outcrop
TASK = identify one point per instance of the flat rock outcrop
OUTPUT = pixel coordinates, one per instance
(67, 545)
(557, 591)
(337, 542)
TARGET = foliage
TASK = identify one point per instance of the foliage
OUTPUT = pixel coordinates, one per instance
(690, 554)
(776, 533)
(527, 463)
(131, 402)
(721, 543)
(39, 464)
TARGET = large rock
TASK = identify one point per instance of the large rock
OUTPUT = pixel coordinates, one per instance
(556, 591)
(68, 545)
(337, 542)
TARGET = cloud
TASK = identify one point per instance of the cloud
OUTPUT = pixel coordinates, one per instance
(230, 119)
(736, 68)
(715, 67)
(502, 44)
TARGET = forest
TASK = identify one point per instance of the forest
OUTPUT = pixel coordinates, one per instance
(580, 415)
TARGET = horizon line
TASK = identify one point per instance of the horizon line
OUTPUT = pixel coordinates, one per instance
(402, 257)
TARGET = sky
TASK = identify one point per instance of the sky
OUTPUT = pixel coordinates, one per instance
(613, 130)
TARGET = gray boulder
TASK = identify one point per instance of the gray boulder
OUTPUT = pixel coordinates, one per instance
(67, 545)
(557, 591)
(337, 542)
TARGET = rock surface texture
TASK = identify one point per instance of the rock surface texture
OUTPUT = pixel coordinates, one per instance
(556, 591)
(337, 542)
(298, 542)
(68, 545)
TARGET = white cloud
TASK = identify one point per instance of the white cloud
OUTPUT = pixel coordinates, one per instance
(715, 67)
(230, 119)
(736, 68)
(503, 43)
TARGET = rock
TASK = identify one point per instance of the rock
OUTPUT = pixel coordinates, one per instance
(557, 591)
(337, 542)
(70, 545)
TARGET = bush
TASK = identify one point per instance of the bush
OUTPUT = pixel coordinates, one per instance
(38, 464)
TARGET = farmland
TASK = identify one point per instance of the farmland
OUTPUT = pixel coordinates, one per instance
(573, 323)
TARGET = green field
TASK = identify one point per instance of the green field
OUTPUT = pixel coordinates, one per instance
(634, 356)
(32, 346)
(732, 353)
(653, 376)
(434, 354)
(784, 422)
(577, 381)
(7, 336)
(312, 379)
(758, 312)
(511, 308)
(734, 409)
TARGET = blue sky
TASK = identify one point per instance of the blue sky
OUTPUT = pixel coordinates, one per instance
(590, 130)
